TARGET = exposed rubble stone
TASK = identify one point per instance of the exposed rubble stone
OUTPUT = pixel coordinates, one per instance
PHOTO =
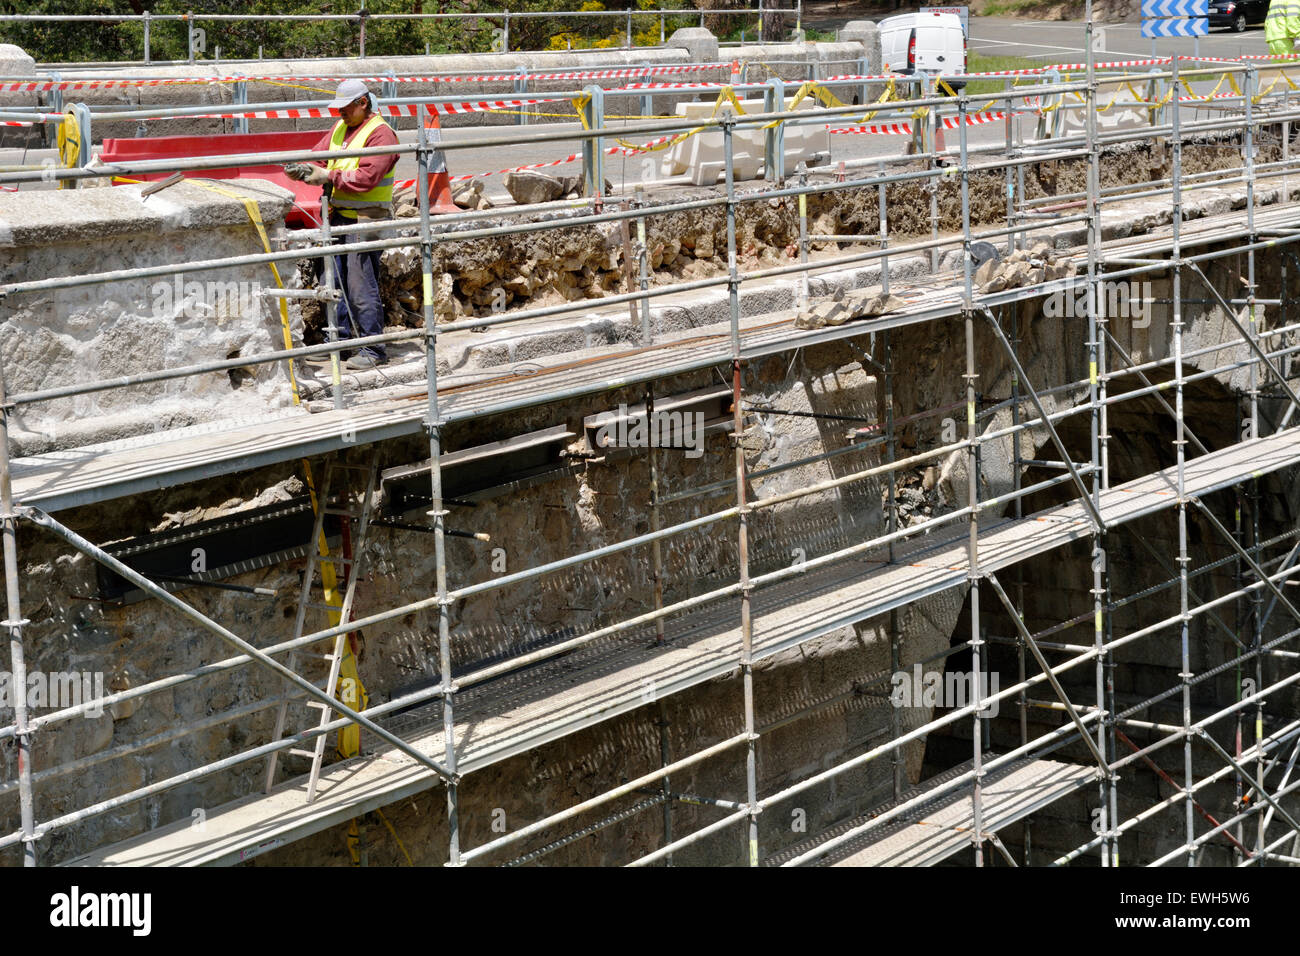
(844, 306)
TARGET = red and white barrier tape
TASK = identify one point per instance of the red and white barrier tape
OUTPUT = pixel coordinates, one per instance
(974, 119)
(577, 75)
(865, 76)
(572, 158)
(38, 86)
(635, 87)
(1113, 65)
(905, 129)
(883, 129)
(638, 150)
(476, 106)
(405, 109)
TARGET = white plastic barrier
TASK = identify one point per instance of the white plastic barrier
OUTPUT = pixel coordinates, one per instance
(702, 156)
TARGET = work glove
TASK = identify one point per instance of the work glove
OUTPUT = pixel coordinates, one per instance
(307, 173)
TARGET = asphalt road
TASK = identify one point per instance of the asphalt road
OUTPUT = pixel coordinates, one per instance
(1048, 41)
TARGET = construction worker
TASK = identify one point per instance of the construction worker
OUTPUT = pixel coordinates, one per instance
(1282, 26)
(359, 188)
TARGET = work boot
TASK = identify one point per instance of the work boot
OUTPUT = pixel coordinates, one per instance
(366, 360)
(321, 359)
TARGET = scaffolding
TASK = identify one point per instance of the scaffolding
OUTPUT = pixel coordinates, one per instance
(538, 696)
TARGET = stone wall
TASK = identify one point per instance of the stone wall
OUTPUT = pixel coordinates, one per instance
(589, 505)
(107, 330)
(823, 687)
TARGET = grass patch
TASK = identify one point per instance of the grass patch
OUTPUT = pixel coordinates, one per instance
(980, 63)
(1003, 8)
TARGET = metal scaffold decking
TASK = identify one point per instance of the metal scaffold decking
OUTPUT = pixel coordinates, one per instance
(519, 712)
(482, 712)
(939, 827)
(58, 480)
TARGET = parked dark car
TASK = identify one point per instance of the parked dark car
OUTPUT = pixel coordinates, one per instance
(1237, 13)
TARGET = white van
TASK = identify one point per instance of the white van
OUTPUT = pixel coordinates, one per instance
(929, 43)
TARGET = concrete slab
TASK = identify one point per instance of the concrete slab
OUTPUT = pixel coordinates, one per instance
(82, 215)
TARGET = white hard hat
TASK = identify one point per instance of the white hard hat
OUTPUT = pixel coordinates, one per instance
(348, 91)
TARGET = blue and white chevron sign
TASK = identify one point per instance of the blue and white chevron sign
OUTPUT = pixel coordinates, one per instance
(1194, 27)
(1157, 9)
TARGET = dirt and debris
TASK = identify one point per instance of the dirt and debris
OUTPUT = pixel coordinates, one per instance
(843, 306)
(470, 196)
(916, 495)
(1023, 267)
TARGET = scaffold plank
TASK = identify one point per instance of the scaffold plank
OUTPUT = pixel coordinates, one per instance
(530, 707)
(942, 827)
(104, 472)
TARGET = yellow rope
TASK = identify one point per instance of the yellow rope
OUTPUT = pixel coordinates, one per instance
(1218, 86)
(255, 216)
(1279, 76)
(400, 845)
(296, 86)
(513, 112)
(349, 737)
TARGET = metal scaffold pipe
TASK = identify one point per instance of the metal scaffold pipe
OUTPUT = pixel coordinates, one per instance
(42, 520)
(437, 509)
(738, 348)
(13, 623)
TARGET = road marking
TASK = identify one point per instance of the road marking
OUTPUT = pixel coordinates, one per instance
(1044, 46)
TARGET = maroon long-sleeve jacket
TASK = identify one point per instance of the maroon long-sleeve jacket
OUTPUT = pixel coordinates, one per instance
(371, 169)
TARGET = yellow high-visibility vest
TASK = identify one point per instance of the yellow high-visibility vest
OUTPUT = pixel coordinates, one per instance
(347, 202)
(1283, 21)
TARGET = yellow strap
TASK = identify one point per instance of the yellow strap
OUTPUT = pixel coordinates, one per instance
(728, 94)
(69, 143)
(396, 838)
(1278, 76)
(1060, 100)
(349, 737)
(1227, 76)
(890, 94)
(637, 147)
(1111, 102)
(255, 216)
(579, 103)
(513, 112)
(1138, 98)
(296, 86)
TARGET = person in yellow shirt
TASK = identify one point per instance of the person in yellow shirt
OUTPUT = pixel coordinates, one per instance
(1282, 26)
(359, 187)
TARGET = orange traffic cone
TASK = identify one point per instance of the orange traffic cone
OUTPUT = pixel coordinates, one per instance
(439, 181)
(735, 72)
